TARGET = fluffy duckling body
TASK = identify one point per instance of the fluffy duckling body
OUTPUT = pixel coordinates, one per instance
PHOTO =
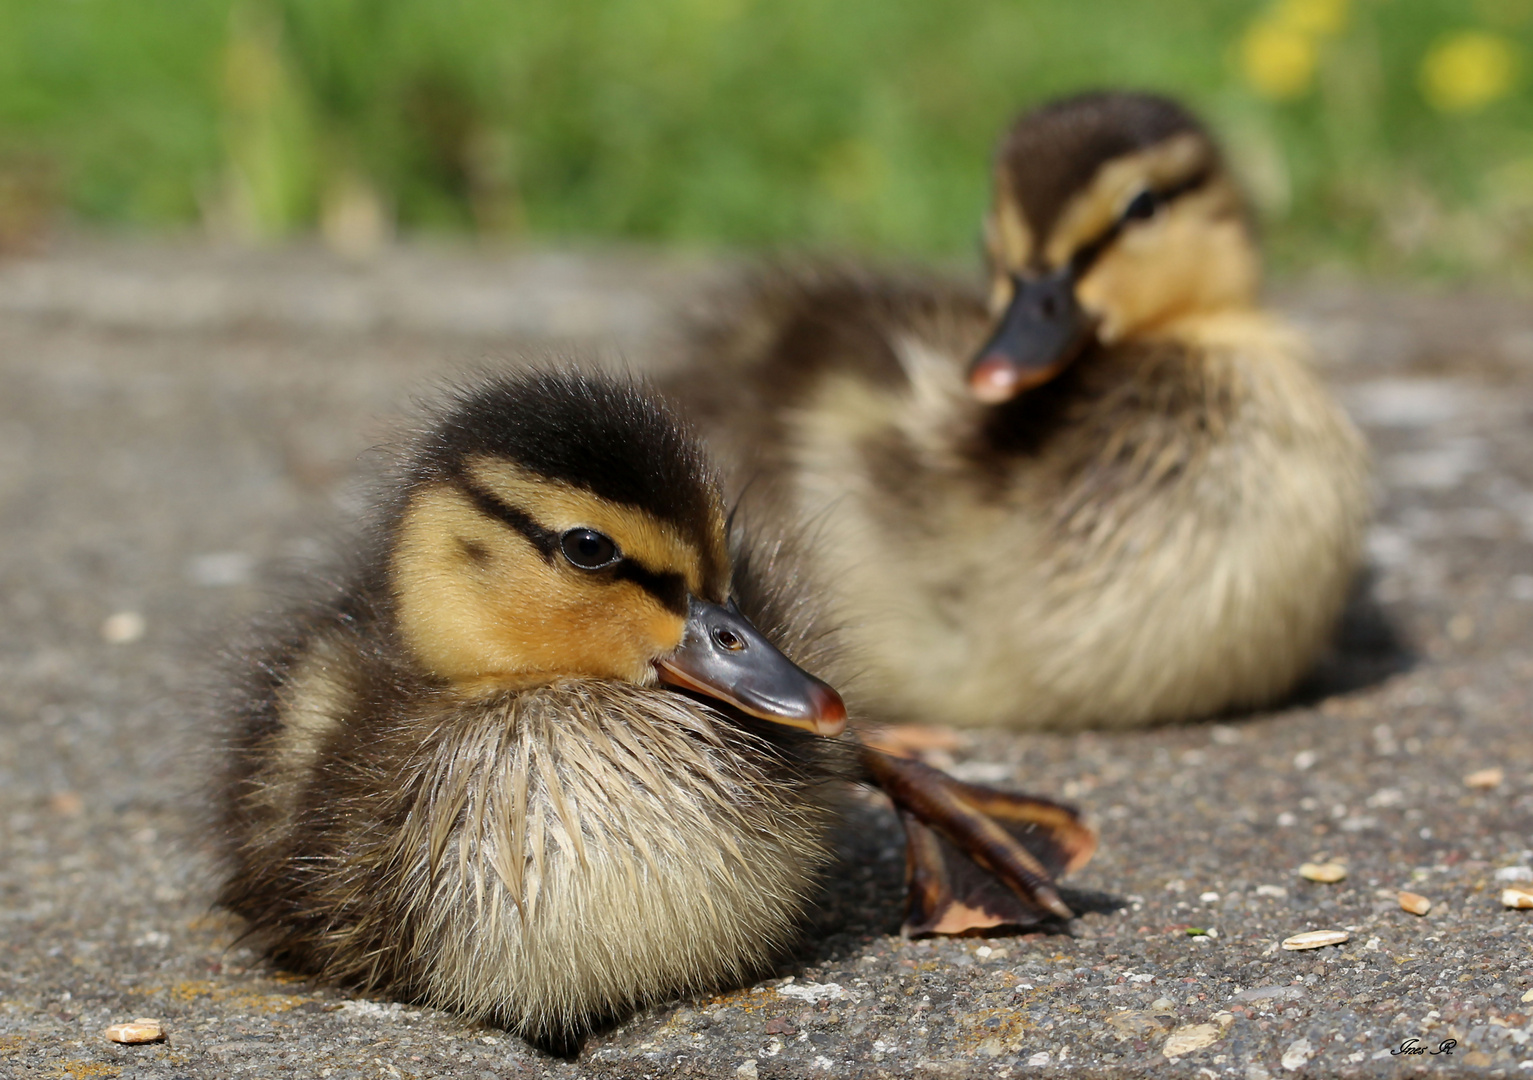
(458, 778)
(535, 756)
(1115, 494)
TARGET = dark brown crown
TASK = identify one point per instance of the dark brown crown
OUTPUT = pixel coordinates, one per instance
(1052, 152)
(606, 435)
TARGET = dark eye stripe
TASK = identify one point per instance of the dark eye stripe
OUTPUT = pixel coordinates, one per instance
(665, 586)
(545, 540)
(668, 587)
(1088, 253)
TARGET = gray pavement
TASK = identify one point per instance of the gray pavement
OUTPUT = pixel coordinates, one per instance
(177, 423)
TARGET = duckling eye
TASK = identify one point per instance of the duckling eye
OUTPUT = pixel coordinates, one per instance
(727, 639)
(1141, 206)
(588, 549)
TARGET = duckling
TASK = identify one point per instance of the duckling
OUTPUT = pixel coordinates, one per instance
(1113, 493)
(536, 756)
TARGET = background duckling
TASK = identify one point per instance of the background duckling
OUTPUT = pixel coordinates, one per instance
(1115, 495)
(462, 777)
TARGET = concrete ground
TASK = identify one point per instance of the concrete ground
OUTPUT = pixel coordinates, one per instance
(176, 423)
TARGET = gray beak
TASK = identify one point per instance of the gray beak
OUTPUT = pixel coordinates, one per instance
(725, 657)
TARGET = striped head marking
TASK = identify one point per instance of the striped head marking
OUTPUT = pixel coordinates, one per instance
(1113, 215)
(567, 526)
(504, 577)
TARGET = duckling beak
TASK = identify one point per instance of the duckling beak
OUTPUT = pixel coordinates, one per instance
(1042, 330)
(725, 657)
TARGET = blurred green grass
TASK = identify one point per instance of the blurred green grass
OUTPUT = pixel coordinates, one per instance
(1367, 140)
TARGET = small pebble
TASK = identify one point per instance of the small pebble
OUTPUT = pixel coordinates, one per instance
(66, 803)
(1191, 1037)
(123, 628)
(1328, 872)
(1517, 898)
(221, 568)
(1528, 995)
(1298, 1054)
(1514, 873)
(1486, 778)
(1415, 903)
(1315, 939)
(143, 1030)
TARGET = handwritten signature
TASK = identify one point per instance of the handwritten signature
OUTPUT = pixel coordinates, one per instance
(1413, 1046)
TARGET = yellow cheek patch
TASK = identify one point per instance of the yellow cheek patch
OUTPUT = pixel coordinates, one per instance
(482, 608)
(1093, 211)
(1007, 239)
(1194, 257)
(1007, 236)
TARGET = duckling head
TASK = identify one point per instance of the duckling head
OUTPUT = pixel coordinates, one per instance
(559, 528)
(1113, 216)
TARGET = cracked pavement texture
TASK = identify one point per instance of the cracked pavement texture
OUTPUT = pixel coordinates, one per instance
(178, 422)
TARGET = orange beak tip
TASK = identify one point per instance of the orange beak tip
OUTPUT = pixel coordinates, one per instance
(994, 379)
(826, 715)
(830, 712)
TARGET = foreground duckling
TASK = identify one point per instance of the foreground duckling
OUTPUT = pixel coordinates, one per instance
(1115, 495)
(537, 758)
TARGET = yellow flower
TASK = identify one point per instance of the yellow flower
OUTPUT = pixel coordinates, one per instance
(1278, 60)
(1317, 17)
(1468, 70)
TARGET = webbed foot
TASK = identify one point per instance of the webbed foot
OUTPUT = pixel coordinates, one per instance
(977, 857)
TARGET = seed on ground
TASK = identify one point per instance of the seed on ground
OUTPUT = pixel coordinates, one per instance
(1517, 898)
(123, 628)
(1328, 872)
(1486, 778)
(1316, 939)
(143, 1030)
(1415, 903)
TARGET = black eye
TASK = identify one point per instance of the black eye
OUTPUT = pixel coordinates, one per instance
(588, 549)
(1141, 206)
(728, 639)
